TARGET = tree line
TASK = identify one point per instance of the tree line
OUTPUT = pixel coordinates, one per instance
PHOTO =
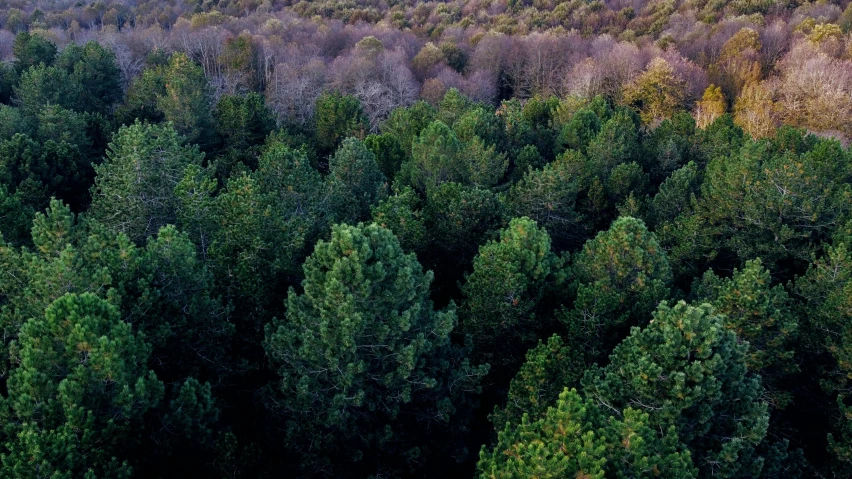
(766, 63)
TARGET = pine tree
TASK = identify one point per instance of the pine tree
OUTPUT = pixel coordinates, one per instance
(17, 219)
(619, 278)
(579, 131)
(616, 143)
(486, 167)
(759, 314)
(526, 159)
(685, 369)
(367, 367)
(134, 188)
(264, 224)
(176, 308)
(355, 182)
(78, 393)
(549, 368)
(161, 292)
(187, 100)
(402, 214)
(94, 68)
(337, 117)
(549, 197)
(499, 315)
(435, 159)
(670, 146)
(480, 122)
(34, 169)
(405, 124)
(8, 79)
(791, 202)
(65, 258)
(44, 85)
(458, 219)
(32, 49)
(242, 124)
(389, 152)
(826, 290)
(177, 92)
(577, 438)
(675, 195)
(453, 106)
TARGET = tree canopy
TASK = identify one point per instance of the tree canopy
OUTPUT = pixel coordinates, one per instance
(370, 239)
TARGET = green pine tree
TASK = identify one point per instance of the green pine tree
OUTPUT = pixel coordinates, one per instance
(685, 369)
(761, 315)
(549, 196)
(368, 371)
(78, 394)
(134, 187)
(549, 368)
(510, 277)
(355, 182)
(619, 277)
(579, 438)
(337, 117)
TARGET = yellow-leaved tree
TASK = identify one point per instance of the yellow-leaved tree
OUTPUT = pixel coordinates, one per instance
(712, 106)
(754, 110)
(657, 93)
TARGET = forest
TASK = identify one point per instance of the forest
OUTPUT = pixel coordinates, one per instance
(492, 239)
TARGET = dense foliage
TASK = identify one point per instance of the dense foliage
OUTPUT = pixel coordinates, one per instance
(506, 239)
